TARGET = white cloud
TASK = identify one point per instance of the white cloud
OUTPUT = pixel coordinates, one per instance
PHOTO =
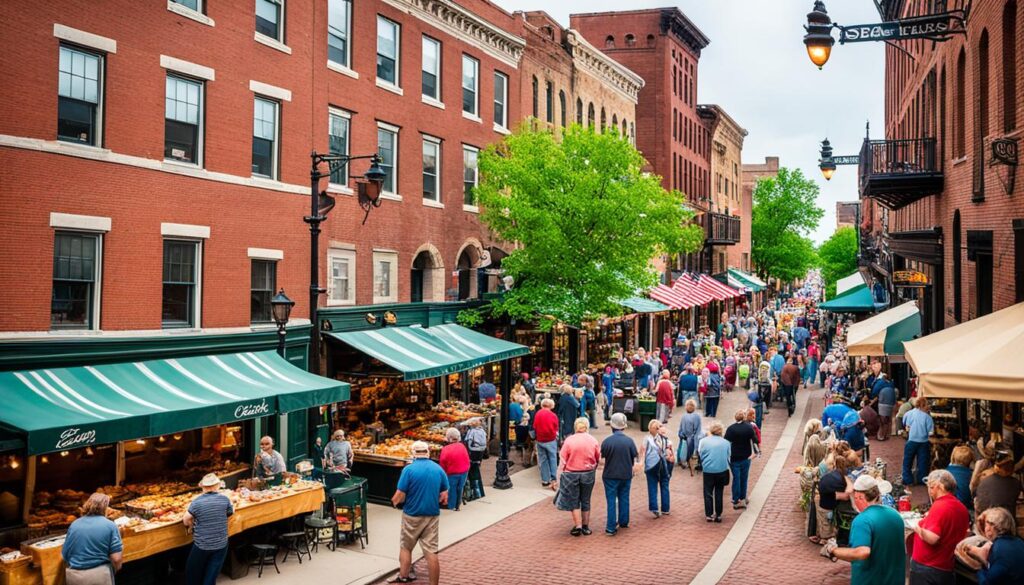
(756, 68)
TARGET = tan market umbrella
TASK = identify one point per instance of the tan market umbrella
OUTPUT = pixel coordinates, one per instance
(885, 333)
(979, 359)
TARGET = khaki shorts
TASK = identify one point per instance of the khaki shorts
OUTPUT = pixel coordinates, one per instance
(422, 529)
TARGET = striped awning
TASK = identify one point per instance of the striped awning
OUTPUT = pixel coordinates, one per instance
(65, 408)
(720, 291)
(429, 352)
(746, 279)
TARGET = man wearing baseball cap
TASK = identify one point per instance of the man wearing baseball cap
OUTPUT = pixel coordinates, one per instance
(423, 489)
(620, 454)
(876, 553)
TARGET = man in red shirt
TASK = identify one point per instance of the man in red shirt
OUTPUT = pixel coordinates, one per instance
(545, 428)
(665, 395)
(938, 533)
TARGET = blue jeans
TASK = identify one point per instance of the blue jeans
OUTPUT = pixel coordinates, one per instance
(657, 477)
(547, 457)
(921, 452)
(740, 472)
(758, 413)
(812, 371)
(456, 483)
(203, 566)
(616, 491)
(711, 406)
(691, 395)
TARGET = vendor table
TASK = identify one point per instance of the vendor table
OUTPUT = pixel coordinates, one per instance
(144, 543)
(381, 475)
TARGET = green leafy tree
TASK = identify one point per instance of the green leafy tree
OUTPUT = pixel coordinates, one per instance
(784, 214)
(586, 221)
(838, 257)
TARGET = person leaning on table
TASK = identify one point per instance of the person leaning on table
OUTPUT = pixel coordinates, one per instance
(92, 547)
(207, 517)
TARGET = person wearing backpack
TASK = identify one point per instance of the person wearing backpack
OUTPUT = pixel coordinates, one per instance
(476, 442)
(714, 392)
(743, 373)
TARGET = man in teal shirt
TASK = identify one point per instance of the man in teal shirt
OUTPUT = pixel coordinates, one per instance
(877, 553)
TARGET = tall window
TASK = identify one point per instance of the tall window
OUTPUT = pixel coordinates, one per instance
(536, 97)
(80, 94)
(183, 114)
(982, 117)
(385, 277)
(604, 120)
(181, 278)
(387, 148)
(561, 105)
(1009, 58)
(431, 168)
(500, 100)
(270, 19)
(590, 116)
(388, 35)
(470, 84)
(264, 283)
(960, 121)
(339, 26)
(264, 138)
(431, 86)
(338, 131)
(341, 284)
(579, 111)
(75, 280)
(549, 101)
(469, 175)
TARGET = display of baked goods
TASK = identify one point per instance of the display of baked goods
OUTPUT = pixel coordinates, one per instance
(169, 488)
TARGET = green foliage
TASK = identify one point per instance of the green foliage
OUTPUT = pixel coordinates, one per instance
(585, 218)
(785, 211)
(838, 256)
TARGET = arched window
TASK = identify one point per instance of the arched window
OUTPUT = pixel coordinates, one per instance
(1009, 58)
(630, 41)
(561, 103)
(632, 133)
(549, 101)
(604, 120)
(960, 115)
(625, 131)
(615, 122)
(982, 116)
(536, 98)
(590, 115)
(650, 40)
(579, 111)
(609, 42)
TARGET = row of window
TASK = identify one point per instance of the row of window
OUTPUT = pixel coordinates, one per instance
(689, 178)
(626, 129)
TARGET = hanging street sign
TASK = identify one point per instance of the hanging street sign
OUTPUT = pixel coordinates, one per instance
(846, 160)
(937, 27)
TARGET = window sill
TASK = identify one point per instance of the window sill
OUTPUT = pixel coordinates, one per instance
(79, 147)
(272, 43)
(959, 161)
(336, 303)
(339, 68)
(389, 87)
(75, 332)
(471, 117)
(261, 180)
(340, 189)
(471, 208)
(502, 130)
(182, 164)
(189, 13)
(391, 196)
(432, 203)
(431, 102)
(384, 300)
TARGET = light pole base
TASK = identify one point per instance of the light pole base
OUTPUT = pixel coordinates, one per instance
(501, 479)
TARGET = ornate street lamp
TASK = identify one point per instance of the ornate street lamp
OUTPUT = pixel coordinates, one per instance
(819, 39)
(281, 309)
(826, 164)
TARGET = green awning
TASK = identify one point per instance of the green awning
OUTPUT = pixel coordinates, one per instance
(429, 352)
(642, 305)
(747, 280)
(854, 300)
(65, 408)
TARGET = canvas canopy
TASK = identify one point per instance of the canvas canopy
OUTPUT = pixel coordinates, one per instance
(885, 333)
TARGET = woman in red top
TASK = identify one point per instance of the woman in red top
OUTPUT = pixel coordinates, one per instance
(454, 461)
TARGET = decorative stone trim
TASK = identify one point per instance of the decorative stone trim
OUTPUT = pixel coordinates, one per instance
(86, 39)
(609, 72)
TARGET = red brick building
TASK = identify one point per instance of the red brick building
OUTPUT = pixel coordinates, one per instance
(663, 46)
(955, 208)
(155, 157)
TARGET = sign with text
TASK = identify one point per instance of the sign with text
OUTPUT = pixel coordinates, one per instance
(846, 160)
(938, 27)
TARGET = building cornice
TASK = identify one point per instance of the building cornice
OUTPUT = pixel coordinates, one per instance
(675, 22)
(466, 26)
(610, 72)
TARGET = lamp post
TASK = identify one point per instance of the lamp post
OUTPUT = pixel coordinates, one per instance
(320, 205)
(828, 161)
(281, 309)
(819, 39)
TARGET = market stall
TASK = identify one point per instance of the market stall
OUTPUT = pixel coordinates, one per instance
(884, 334)
(397, 374)
(852, 296)
(144, 432)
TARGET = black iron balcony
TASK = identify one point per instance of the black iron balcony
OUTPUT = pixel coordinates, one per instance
(899, 172)
(721, 229)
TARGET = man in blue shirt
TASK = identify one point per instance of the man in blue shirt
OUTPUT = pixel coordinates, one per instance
(688, 384)
(92, 547)
(207, 516)
(920, 426)
(619, 453)
(834, 413)
(487, 391)
(423, 489)
(877, 553)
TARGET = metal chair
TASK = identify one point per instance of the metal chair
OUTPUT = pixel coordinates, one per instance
(296, 543)
(266, 555)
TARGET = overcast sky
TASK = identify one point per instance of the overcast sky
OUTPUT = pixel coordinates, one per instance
(757, 69)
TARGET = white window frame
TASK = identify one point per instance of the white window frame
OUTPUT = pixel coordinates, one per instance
(474, 207)
(392, 257)
(431, 99)
(348, 33)
(182, 10)
(78, 228)
(397, 83)
(348, 254)
(475, 114)
(274, 152)
(101, 74)
(197, 305)
(200, 131)
(503, 125)
(332, 111)
(436, 202)
(393, 194)
(280, 25)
